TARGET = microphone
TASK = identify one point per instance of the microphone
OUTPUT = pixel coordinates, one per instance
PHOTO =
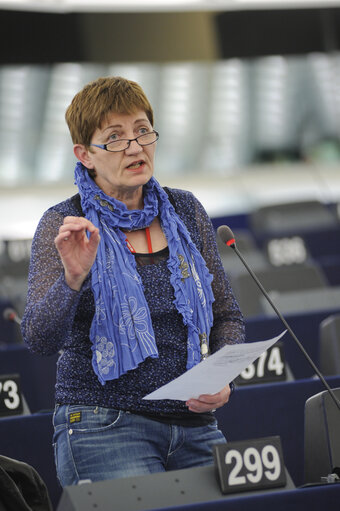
(10, 315)
(226, 235)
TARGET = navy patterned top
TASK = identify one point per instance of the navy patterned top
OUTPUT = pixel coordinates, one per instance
(58, 319)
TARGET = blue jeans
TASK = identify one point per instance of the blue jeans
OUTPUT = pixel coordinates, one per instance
(103, 443)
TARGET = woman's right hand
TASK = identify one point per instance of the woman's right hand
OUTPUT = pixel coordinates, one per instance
(77, 251)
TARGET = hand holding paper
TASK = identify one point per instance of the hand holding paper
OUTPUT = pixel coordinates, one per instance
(212, 374)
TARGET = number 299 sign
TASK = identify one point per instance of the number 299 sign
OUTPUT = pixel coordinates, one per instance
(250, 465)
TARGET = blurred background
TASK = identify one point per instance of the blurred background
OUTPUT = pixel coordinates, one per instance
(246, 97)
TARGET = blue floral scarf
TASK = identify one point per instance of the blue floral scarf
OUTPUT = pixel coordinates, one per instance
(121, 332)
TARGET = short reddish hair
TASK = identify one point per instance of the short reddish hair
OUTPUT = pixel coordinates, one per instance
(91, 106)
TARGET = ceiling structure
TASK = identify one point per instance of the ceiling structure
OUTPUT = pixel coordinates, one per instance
(69, 6)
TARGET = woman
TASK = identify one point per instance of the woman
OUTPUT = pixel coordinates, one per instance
(126, 283)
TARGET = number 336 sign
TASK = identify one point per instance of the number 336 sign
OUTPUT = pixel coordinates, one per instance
(250, 464)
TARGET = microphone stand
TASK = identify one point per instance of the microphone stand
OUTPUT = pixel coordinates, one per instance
(233, 246)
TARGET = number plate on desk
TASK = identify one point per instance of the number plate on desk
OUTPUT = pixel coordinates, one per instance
(286, 251)
(269, 367)
(11, 402)
(250, 465)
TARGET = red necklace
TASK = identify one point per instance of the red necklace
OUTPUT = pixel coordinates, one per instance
(148, 238)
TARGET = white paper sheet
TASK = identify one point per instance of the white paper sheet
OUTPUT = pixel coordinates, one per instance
(212, 374)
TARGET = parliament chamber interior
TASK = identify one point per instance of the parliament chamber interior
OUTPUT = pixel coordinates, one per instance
(247, 103)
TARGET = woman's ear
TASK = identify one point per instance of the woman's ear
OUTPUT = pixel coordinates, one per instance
(83, 154)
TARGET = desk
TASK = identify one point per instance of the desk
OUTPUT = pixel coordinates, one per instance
(273, 409)
(37, 374)
(306, 328)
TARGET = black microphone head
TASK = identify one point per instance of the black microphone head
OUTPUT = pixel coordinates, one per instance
(226, 235)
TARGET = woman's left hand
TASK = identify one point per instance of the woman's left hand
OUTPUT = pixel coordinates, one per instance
(209, 402)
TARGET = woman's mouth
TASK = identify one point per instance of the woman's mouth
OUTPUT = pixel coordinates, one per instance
(135, 165)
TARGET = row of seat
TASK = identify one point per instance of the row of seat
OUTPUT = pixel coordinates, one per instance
(14, 263)
(319, 334)
(305, 218)
(256, 411)
(37, 375)
(294, 250)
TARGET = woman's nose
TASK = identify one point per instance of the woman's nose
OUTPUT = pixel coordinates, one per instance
(134, 147)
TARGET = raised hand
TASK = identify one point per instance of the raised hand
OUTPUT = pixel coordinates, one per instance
(77, 251)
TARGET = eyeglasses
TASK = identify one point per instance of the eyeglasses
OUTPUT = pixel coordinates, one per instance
(124, 143)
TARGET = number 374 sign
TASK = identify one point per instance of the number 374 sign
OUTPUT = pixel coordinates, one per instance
(269, 367)
(250, 464)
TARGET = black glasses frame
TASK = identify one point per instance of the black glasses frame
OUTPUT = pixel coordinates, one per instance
(128, 140)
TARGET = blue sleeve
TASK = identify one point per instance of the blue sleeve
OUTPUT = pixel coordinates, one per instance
(51, 304)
